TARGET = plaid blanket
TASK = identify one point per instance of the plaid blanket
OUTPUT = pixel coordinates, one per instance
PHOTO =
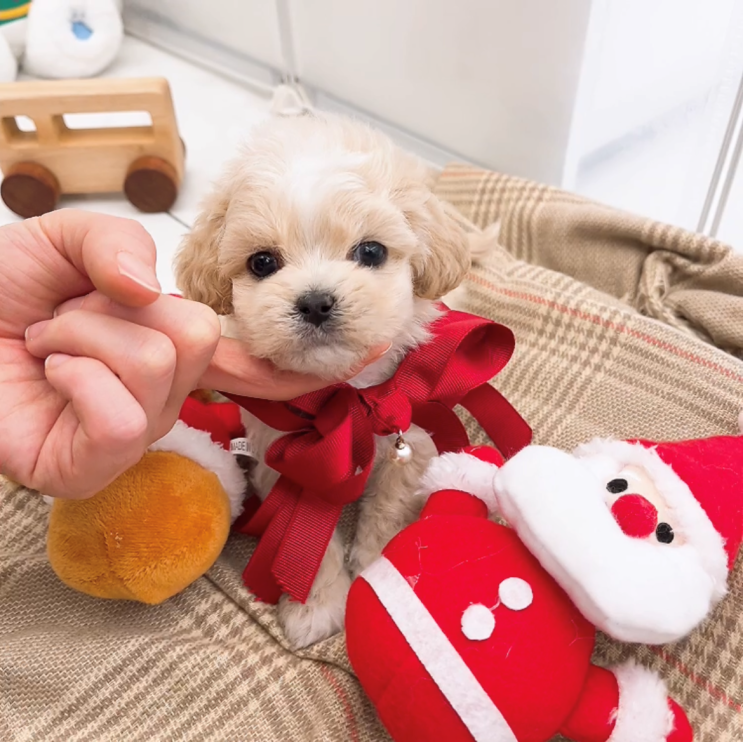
(624, 327)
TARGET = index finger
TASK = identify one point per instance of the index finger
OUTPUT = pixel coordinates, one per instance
(116, 254)
(233, 370)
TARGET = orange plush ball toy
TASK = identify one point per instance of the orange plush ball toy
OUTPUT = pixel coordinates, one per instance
(162, 523)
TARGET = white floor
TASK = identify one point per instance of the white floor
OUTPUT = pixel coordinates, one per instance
(213, 117)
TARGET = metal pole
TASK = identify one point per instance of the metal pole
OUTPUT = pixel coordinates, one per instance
(721, 159)
(728, 184)
(286, 39)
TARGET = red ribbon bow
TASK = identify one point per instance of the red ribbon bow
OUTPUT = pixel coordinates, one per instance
(326, 457)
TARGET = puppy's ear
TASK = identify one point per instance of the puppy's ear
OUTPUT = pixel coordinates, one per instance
(445, 262)
(197, 269)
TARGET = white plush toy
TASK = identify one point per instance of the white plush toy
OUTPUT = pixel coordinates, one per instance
(58, 38)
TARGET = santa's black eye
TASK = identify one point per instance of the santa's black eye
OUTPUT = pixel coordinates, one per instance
(664, 533)
(369, 254)
(263, 264)
(617, 485)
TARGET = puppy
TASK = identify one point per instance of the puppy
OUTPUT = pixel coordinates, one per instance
(321, 241)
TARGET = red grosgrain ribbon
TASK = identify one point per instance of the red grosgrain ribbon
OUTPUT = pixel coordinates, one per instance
(326, 456)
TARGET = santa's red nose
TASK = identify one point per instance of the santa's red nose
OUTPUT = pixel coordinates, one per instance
(636, 516)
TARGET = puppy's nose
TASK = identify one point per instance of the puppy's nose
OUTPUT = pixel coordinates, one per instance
(315, 307)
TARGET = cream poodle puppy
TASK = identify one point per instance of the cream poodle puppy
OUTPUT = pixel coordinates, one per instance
(321, 241)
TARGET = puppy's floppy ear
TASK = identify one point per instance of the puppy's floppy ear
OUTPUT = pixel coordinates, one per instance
(197, 270)
(446, 260)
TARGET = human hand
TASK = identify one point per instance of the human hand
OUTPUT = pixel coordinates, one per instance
(85, 392)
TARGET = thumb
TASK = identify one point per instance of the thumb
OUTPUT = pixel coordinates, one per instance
(116, 254)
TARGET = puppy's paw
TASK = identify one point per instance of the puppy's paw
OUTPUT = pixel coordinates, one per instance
(321, 617)
(362, 555)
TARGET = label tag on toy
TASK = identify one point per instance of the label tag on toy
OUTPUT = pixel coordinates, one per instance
(239, 447)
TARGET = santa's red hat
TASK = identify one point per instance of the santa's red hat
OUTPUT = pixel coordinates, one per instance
(220, 419)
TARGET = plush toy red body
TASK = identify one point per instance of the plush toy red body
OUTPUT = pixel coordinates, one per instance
(459, 632)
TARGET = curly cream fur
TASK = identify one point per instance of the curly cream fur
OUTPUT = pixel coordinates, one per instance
(310, 188)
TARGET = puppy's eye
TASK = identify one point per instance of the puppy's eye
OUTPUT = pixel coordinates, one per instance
(369, 254)
(263, 264)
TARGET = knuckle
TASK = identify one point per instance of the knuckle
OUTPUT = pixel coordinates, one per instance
(202, 330)
(99, 303)
(157, 356)
(128, 429)
(64, 330)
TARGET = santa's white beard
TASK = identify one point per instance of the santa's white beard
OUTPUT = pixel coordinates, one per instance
(634, 590)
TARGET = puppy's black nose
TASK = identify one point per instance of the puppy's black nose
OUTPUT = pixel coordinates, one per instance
(315, 307)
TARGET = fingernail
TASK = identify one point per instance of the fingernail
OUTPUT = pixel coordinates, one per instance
(55, 360)
(135, 270)
(386, 350)
(33, 331)
(70, 305)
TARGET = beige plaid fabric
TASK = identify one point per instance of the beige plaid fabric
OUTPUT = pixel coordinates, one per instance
(682, 278)
(211, 664)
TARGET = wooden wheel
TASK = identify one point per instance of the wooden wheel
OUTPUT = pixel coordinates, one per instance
(29, 189)
(151, 184)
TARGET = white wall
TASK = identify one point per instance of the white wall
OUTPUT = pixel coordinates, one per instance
(647, 59)
(545, 89)
(492, 80)
(247, 27)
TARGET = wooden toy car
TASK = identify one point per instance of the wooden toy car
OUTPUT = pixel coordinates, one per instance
(145, 162)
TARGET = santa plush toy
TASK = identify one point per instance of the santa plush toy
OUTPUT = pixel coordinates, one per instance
(466, 629)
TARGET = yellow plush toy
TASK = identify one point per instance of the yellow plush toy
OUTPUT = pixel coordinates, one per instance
(162, 523)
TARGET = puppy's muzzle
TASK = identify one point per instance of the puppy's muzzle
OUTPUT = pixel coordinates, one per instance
(316, 307)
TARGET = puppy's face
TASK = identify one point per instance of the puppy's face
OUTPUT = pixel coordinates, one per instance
(322, 240)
